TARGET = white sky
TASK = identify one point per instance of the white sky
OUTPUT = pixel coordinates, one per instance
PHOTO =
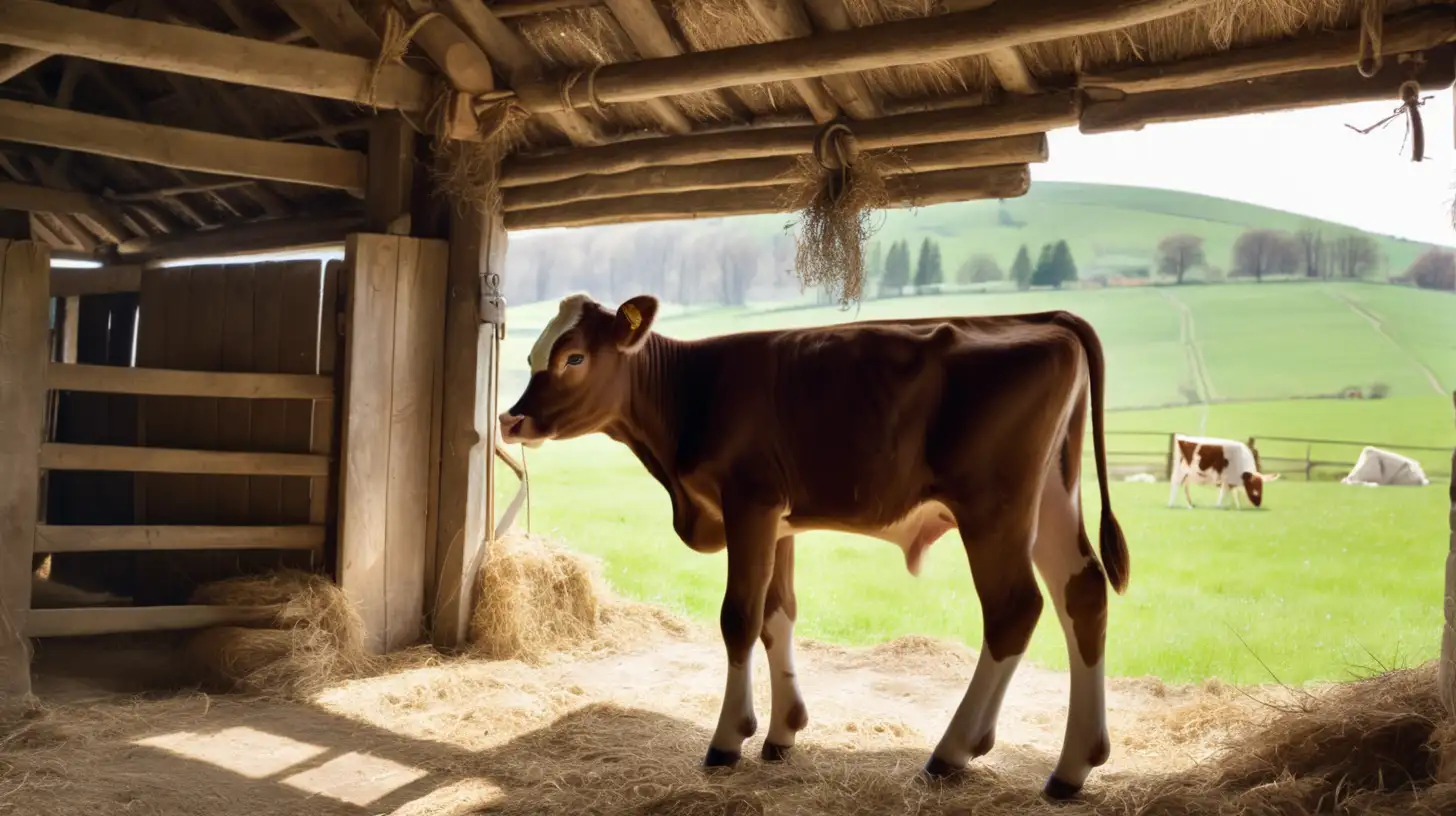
(1305, 162)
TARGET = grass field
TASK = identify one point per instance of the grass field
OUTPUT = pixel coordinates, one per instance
(1324, 573)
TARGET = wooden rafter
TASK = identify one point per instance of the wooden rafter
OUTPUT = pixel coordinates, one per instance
(649, 35)
(16, 61)
(514, 58)
(1020, 116)
(904, 42)
(182, 149)
(787, 19)
(1416, 30)
(196, 52)
(1006, 64)
(36, 198)
(771, 171)
(1304, 89)
(922, 190)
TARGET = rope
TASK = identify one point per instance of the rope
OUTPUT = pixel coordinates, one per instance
(1372, 31)
(1410, 106)
(838, 138)
(570, 81)
(393, 44)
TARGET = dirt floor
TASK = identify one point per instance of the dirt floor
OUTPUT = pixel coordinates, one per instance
(616, 731)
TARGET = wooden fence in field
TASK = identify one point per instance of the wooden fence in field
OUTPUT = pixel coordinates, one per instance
(1313, 458)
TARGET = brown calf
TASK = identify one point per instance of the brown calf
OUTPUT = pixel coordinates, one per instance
(899, 430)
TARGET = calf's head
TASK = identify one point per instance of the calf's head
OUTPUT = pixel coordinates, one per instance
(1254, 485)
(579, 379)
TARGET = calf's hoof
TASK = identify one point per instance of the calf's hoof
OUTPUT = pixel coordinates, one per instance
(773, 752)
(718, 758)
(1058, 791)
(937, 768)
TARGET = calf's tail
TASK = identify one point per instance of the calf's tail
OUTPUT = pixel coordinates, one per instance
(1112, 545)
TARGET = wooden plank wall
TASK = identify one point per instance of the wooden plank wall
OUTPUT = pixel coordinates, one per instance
(260, 318)
(394, 350)
(104, 326)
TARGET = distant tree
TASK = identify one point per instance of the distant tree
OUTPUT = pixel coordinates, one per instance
(1066, 268)
(1353, 256)
(738, 262)
(1434, 269)
(875, 262)
(1043, 274)
(1316, 252)
(1179, 253)
(897, 268)
(1021, 269)
(1261, 252)
(1054, 266)
(928, 271)
(979, 268)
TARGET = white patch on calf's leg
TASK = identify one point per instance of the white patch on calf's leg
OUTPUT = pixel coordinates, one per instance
(1060, 559)
(736, 721)
(787, 714)
(972, 729)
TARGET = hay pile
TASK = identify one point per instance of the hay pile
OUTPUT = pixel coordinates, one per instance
(315, 640)
(537, 600)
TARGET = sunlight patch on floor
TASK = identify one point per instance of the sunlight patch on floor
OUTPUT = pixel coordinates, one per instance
(242, 750)
(355, 778)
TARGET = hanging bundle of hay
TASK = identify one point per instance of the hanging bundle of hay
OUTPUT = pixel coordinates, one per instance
(839, 188)
(315, 638)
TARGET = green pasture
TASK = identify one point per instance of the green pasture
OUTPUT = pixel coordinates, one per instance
(1325, 580)
(1313, 585)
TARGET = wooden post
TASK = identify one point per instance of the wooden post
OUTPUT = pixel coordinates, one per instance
(1308, 462)
(24, 329)
(393, 337)
(1447, 680)
(474, 316)
(1171, 444)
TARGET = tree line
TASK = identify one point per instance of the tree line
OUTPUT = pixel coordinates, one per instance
(1309, 252)
(893, 269)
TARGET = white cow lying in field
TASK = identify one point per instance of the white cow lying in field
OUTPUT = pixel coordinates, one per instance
(1223, 462)
(1381, 467)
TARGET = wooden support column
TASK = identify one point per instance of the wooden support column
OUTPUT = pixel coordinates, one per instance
(474, 316)
(391, 175)
(25, 327)
(1447, 680)
(396, 292)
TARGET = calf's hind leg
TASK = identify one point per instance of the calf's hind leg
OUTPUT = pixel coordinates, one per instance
(999, 549)
(787, 715)
(1063, 555)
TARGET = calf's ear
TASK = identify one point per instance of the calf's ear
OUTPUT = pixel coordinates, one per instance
(634, 322)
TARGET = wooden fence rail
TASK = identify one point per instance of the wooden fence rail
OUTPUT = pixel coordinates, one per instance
(1308, 462)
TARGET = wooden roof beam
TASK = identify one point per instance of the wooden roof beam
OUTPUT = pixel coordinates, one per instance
(786, 20)
(849, 90)
(37, 198)
(1017, 117)
(771, 171)
(1006, 64)
(922, 190)
(182, 149)
(517, 61)
(1416, 30)
(333, 24)
(1304, 89)
(525, 8)
(273, 235)
(520, 63)
(207, 54)
(903, 42)
(16, 61)
(649, 35)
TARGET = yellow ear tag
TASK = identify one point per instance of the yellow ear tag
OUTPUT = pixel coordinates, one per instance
(634, 317)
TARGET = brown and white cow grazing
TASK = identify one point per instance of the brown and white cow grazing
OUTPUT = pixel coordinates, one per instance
(1223, 462)
(899, 430)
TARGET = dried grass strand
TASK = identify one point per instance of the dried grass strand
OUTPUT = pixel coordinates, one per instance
(838, 190)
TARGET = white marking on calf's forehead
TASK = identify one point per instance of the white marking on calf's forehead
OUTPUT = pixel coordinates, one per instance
(566, 317)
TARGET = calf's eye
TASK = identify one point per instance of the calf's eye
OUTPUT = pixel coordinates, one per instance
(575, 359)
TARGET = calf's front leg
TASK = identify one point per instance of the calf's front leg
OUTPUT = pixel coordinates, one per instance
(751, 531)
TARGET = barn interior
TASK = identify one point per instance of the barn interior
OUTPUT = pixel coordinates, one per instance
(177, 422)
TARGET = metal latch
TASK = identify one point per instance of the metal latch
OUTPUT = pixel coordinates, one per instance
(493, 304)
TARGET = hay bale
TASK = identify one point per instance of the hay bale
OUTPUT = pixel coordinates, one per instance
(536, 598)
(315, 639)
